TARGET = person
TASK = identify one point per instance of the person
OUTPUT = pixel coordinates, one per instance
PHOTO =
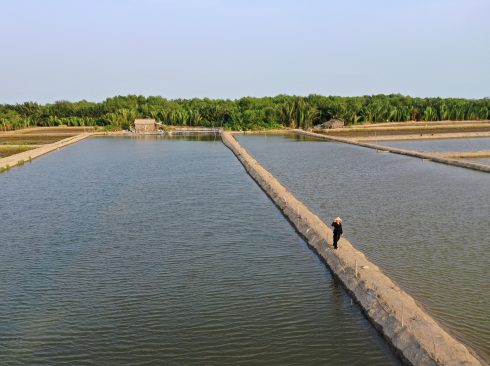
(337, 231)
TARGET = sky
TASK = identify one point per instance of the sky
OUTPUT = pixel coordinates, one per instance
(93, 49)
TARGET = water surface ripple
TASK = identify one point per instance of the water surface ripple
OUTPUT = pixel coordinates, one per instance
(426, 224)
(150, 251)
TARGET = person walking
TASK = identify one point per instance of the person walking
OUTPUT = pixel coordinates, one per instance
(337, 231)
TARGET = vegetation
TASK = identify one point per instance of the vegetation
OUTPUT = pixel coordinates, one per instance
(244, 113)
(5, 168)
(7, 150)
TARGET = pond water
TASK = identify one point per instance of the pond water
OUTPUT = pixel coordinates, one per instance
(426, 224)
(150, 251)
(465, 144)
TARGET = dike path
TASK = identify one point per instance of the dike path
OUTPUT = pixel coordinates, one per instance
(416, 338)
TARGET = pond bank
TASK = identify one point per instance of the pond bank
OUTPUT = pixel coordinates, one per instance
(421, 136)
(415, 336)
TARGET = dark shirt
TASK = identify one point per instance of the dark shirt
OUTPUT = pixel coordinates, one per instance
(337, 229)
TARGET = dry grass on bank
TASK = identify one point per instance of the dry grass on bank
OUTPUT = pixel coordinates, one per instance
(28, 139)
(8, 150)
(49, 130)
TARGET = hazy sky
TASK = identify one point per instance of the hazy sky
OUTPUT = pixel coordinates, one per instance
(93, 49)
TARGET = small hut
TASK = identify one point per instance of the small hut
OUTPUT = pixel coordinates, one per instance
(145, 125)
(333, 123)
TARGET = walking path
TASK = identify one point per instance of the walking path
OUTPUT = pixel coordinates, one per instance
(415, 336)
(463, 154)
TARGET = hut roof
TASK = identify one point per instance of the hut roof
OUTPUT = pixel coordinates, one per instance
(144, 121)
(333, 123)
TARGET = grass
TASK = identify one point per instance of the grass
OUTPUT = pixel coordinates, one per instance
(29, 139)
(55, 130)
(7, 150)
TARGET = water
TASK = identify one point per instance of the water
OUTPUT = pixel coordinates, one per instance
(466, 144)
(150, 251)
(426, 224)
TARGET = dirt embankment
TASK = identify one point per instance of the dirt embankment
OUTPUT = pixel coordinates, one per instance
(51, 130)
(463, 154)
(415, 336)
(423, 123)
(422, 136)
(413, 127)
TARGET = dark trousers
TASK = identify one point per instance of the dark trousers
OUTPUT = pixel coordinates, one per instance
(335, 240)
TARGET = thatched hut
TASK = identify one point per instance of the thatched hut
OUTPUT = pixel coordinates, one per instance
(145, 125)
(333, 123)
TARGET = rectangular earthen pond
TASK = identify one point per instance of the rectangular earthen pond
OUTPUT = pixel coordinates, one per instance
(163, 251)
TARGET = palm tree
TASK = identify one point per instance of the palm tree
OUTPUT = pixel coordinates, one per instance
(287, 115)
(430, 114)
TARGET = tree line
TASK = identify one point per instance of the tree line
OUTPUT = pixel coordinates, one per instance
(243, 114)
